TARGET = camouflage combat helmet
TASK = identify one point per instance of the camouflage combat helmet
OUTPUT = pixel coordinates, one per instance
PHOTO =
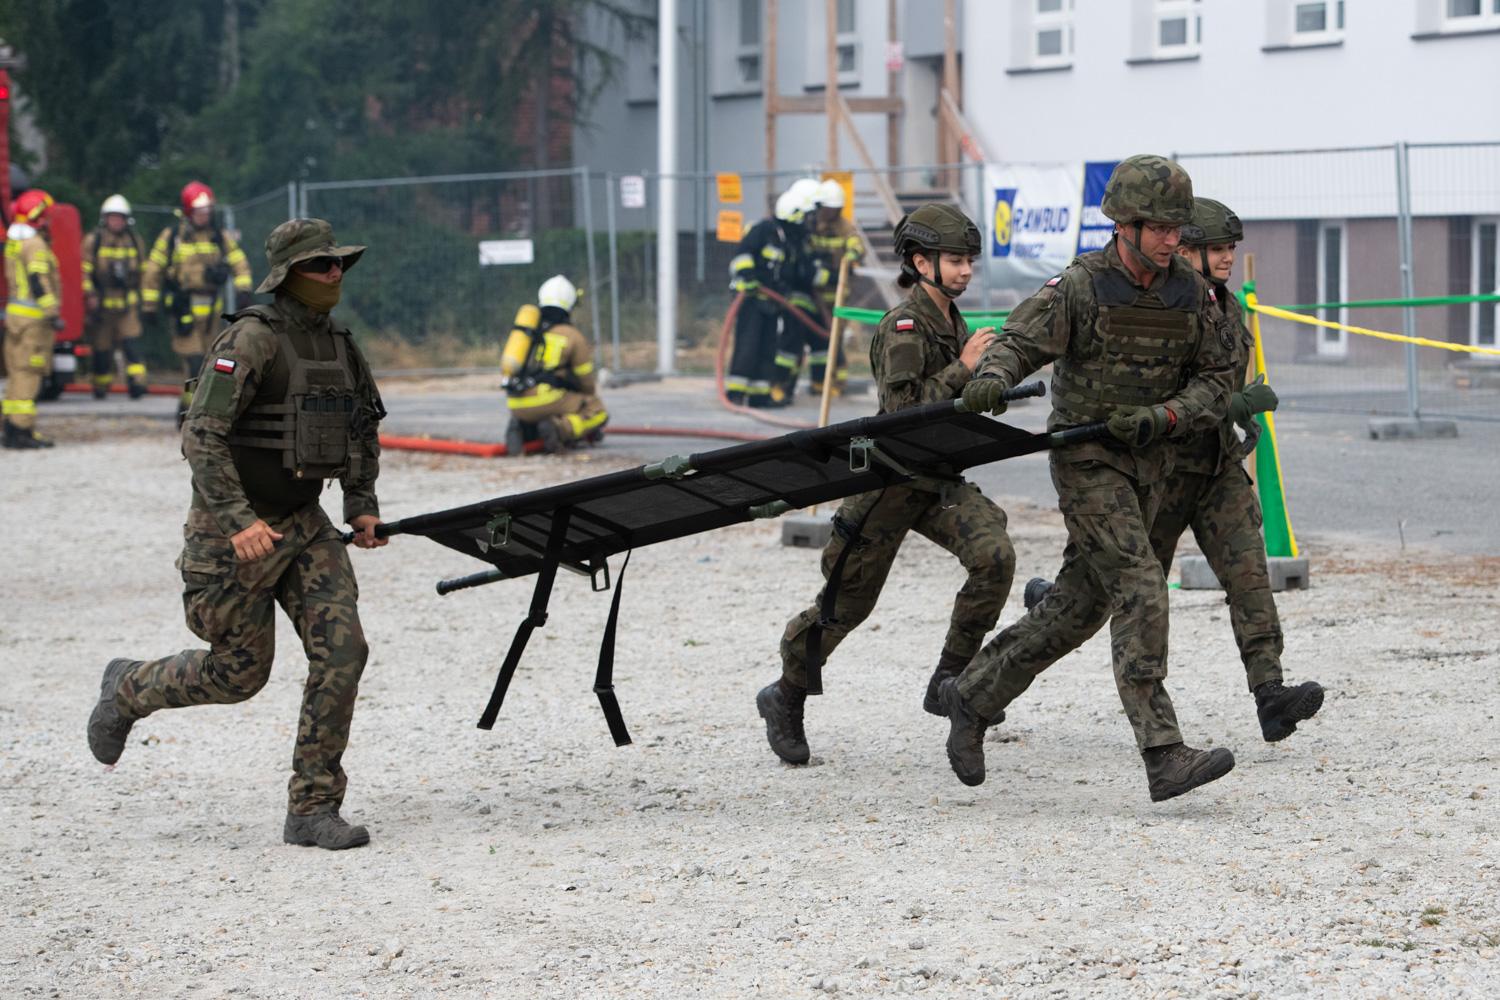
(1149, 189)
(934, 229)
(1212, 222)
(298, 240)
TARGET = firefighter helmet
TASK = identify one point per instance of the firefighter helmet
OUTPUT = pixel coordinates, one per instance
(792, 206)
(115, 204)
(197, 195)
(831, 194)
(32, 207)
(558, 292)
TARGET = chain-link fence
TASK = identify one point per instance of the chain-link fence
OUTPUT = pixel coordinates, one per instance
(1336, 228)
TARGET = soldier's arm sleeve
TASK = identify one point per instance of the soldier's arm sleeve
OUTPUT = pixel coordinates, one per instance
(247, 350)
(86, 251)
(153, 271)
(359, 482)
(583, 365)
(904, 358)
(1035, 334)
(235, 258)
(41, 271)
(1204, 399)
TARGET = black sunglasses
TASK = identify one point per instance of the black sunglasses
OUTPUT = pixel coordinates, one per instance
(319, 265)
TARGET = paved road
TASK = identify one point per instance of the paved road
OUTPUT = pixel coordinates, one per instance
(1341, 484)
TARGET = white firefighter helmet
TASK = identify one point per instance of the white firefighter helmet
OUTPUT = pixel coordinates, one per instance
(789, 207)
(557, 291)
(115, 204)
(831, 194)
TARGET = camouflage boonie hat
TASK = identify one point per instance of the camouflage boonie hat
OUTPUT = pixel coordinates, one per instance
(1149, 189)
(302, 239)
(1213, 222)
(936, 226)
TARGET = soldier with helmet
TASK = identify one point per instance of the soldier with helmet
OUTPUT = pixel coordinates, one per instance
(922, 352)
(112, 259)
(286, 401)
(550, 385)
(834, 240)
(185, 273)
(32, 315)
(1137, 342)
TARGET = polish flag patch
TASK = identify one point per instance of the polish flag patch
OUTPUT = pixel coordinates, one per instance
(223, 365)
(1053, 281)
(906, 324)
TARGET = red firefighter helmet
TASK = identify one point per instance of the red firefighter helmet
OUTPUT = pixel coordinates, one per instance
(32, 207)
(197, 195)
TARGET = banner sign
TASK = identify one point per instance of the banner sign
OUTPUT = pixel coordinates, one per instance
(1033, 213)
(729, 189)
(1095, 228)
(632, 191)
(731, 226)
(505, 252)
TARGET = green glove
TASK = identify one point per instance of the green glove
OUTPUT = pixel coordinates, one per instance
(985, 394)
(1239, 409)
(1137, 425)
(1259, 396)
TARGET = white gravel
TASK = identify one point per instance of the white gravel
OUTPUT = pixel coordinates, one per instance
(1356, 859)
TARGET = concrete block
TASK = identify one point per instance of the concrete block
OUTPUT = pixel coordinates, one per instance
(807, 531)
(1424, 428)
(1286, 573)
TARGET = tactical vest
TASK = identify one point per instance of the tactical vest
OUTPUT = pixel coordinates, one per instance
(313, 427)
(1141, 343)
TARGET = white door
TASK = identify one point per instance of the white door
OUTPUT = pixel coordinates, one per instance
(1333, 286)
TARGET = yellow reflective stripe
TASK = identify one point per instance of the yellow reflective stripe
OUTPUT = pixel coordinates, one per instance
(27, 312)
(201, 311)
(115, 303)
(151, 294)
(135, 371)
(543, 397)
(47, 301)
(103, 379)
(586, 368)
(742, 262)
(773, 253)
(235, 256)
(38, 266)
(38, 360)
(18, 407)
(242, 282)
(159, 255)
(124, 253)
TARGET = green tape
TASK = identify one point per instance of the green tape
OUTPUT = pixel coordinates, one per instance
(873, 316)
(1278, 525)
(1437, 300)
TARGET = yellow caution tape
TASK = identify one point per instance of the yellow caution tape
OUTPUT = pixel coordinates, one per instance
(1422, 341)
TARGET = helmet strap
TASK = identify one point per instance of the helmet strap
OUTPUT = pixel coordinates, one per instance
(1203, 256)
(936, 281)
(1136, 248)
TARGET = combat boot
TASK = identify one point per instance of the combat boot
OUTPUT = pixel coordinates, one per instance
(1280, 708)
(1177, 768)
(137, 390)
(515, 438)
(108, 728)
(101, 391)
(949, 665)
(781, 705)
(23, 438)
(966, 735)
(550, 435)
(327, 830)
(1036, 592)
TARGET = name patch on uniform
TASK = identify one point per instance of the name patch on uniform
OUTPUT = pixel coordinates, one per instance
(906, 324)
(223, 365)
(1053, 282)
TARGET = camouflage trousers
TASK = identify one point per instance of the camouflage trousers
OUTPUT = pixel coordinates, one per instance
(230, 606)
(973, 529)
(1110, 574)
(1224, 514)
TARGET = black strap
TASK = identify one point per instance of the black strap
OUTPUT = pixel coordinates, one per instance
(535, 618)
(604, 680)
(814, 659)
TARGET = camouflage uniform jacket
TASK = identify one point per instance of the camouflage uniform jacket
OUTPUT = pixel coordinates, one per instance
(1211, 451)
(914, 355)
(236, 485)
(1060, 319)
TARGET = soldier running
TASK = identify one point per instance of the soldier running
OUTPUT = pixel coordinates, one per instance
(922, 353)
(286, 402)
(1209, 492)
(1137, 341)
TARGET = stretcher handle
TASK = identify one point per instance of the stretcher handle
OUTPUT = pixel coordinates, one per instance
(445, 587)
(1010, 395)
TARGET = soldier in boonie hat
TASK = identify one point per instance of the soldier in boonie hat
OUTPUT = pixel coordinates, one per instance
(299, 240)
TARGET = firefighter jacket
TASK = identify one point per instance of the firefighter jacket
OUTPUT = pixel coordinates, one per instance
(560, 361)
(835, 241)
(112, 267)
(31, 276)
(766, 257)
(197, 261)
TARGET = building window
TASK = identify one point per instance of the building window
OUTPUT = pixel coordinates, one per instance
(1051, 32)
(1470, 15)
(1333, 286)
(1317, 23)
(848, 42)
(747, 55)
(1179, 28)
(1483, 318)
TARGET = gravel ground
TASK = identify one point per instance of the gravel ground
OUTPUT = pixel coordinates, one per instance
(1356, 859)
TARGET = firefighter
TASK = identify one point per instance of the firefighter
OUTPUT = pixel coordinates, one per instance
(112, 259)
(805, 277)
(834, 239)
(766, 259)
(549, 368)
(185, 272)
(32, 316)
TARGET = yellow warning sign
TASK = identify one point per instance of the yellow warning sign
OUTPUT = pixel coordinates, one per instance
(731, 225)
(846, 181)
(729, 189)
